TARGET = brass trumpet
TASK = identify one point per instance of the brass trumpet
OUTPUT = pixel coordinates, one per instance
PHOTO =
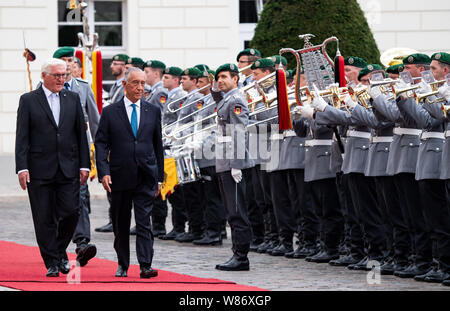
(397, 92)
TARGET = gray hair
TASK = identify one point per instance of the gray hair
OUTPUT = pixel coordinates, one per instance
(51, 62)
(129, 71)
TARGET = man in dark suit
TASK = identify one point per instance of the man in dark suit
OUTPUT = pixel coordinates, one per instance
(52, 160)
(130, 163)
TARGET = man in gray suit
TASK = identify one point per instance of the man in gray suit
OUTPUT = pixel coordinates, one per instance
(82, 235)
(231, 158)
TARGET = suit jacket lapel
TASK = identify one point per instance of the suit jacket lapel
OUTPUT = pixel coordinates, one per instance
(143, 118)
(45, 105)
(121, 111)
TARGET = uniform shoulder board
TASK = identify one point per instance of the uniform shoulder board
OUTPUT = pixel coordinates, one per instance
(82, 80)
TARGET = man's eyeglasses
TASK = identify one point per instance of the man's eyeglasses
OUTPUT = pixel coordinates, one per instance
(58, 75)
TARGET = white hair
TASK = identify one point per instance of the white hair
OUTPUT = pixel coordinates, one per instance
(129, 71)
(51, 62)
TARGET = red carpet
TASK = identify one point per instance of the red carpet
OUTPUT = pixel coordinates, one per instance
(21, 267)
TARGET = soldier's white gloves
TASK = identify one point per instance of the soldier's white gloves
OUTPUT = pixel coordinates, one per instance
(374, 91)
(444, 91)
(349, 102)
(318, 102)
(236, 174)
(424, 87)
(305, 111)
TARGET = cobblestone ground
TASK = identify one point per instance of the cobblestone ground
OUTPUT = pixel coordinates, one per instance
(273, 273)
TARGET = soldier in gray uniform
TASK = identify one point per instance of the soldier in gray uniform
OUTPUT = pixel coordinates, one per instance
(362, 188)
(402, 162)
(431, 188)
(82, 235)
(116, 93)
(382, 131)
(192, 191)
(231, 158)
(171, 81)
(157, 96)
(203, 144)
(322, 179)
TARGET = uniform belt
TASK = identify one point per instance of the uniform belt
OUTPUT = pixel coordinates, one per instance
(406, 131)
(224, 139)
(289, 133)
(351, 133)
(381, 139)
(426, 135)
(447, 133)
(276, 136)
(318, 142)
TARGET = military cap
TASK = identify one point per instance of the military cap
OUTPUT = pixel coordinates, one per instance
(395, 68)
(368, 69)
(121, 58)
(78, 61)
(192, 72)
(417, 58)
(289, 73)
(278, 58)
(65, 51)
(174, 71)
(201, 67)
(226, 67)
(135, 61)
(204, 74)
(155, 64)
(263, 63)
(441, 57)
(355, 61)
(250, 52)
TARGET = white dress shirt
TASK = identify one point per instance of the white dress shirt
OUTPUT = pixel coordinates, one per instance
(129, 109)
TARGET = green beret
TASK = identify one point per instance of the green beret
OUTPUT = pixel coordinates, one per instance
(65, 51)
(135, 61)
(250, 52)
(395, 68)
(417, 58)
(204, 74)
(263, 63)
(226, 67)
(355, 61)
(368, 69)
(121, 58)
(201, 67)
(77, 60)
(289, 73)
(174, 71)
(278, 58)
(155, 64)
(441, 57)
(193, 72)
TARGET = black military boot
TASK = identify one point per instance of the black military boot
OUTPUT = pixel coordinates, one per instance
(282, 249)
(345, 260)
(239, 262)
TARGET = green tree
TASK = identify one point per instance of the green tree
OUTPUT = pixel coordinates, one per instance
(282, 21)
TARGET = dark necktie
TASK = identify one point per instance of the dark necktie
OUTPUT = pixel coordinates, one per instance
(67, 86)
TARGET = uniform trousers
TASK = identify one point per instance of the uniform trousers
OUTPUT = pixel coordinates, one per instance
(179, 216)
(82, 234)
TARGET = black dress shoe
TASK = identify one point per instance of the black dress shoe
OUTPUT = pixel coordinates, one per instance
(438, 276)
(106, 228)
(121, 272)
(263, 247)
(320, 253)
(272, 245)
(52, 271)
(187, 237)
(307, 251)
(413, 270)
(236, 263)
(292, 253)
(281, 250)
(133, 231)
(324, 257)
(85, 253)
(64, 266)
(360, 265)
(207, 240)
(446, 282)
(170, 236)
(148, 272)
(389, 268)
(345, 260)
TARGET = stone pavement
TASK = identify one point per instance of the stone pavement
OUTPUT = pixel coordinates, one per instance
(273, 273)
